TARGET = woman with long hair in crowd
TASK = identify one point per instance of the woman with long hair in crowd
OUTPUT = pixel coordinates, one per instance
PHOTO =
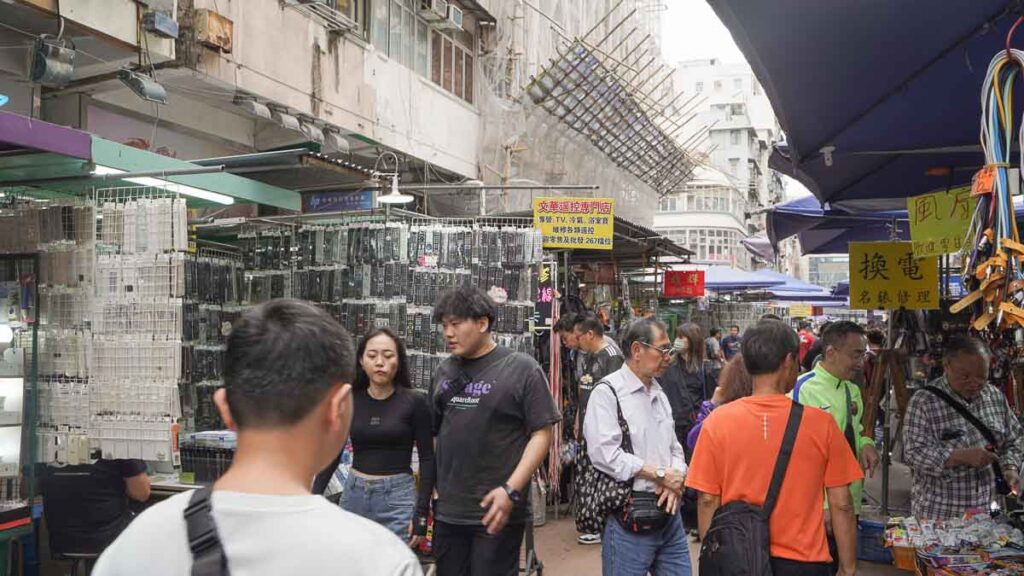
(685, 380)
(733, 383)
(389, 419)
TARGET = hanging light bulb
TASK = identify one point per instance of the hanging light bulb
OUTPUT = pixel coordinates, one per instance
(395, 196)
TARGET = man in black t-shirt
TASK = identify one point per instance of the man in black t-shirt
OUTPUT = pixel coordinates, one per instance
(87, 505)
(602, 359)
(493, 415)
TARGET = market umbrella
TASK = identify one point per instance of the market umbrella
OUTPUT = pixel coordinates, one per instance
(877, 99)
(822, 231)
(760, 246)
(726, 279)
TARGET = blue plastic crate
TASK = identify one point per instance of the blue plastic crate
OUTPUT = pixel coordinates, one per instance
(871, 542)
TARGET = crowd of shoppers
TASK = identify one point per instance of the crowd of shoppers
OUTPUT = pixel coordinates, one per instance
(661, 416)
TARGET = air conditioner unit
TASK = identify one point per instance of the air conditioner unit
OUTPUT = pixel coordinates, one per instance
(453, 21)
(433, 10)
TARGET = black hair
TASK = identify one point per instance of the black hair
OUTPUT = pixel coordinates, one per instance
(565, 322)
(736, 326)
(766, 346)
(770, 316)
(282, 358)
(589, 322)
(805, 325)
(876, 337)
(640, 331)
(965, 344)
(465, 303)
(716, 331)
(836, 333)
(402, 379)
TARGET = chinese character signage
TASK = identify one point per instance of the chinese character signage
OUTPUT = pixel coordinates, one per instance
(337, 201)
(582, 223)
(684, 284)
(545, 296)
(939, 221)
(801, 311)
(888, 275)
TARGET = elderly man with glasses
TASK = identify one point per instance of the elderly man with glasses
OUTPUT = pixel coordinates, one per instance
(656, 464)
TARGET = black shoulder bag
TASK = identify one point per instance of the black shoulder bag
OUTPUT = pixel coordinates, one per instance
(1001, 486)
(738, 542)
(208, 558)
(597, 493)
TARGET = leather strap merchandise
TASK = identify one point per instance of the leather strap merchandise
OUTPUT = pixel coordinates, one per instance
(1001, 485)
(796, 413)
(208, 558)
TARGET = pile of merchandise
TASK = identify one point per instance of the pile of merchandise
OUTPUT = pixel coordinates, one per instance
(978, 543)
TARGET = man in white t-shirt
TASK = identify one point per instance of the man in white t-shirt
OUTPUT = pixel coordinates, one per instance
(287, 372)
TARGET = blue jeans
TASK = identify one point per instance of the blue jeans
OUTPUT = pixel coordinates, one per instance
(662, 553)
(388, 501)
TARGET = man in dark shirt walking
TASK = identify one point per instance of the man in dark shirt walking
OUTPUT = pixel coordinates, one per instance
(731, 343)
(493, 416)
(600, 360)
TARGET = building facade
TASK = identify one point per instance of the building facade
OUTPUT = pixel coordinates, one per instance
(439, 83)
(736, 131)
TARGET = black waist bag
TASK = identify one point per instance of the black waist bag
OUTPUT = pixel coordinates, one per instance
(738, 543)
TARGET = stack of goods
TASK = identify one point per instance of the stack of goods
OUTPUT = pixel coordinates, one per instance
(205, 456)
(976, 544)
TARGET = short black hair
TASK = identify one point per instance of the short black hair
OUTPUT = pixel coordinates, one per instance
(805, 325)
(965, 344)
(282, 358)
(736, 326)
(565, 322)
(402, 379)
(589, 322)
(836, 333)
(716, 331)
(770, 316)
(465, 303)
(876, 337)
(640, 331)
(766, 346)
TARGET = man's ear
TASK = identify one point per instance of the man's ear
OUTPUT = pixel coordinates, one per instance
(339, 407)
(220, 399)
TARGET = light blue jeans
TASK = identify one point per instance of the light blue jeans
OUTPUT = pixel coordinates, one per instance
(388, 501)
(662, 553)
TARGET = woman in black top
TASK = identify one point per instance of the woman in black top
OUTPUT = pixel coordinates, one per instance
(389, 418)
(685, 381)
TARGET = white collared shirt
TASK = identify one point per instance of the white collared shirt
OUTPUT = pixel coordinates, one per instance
(651, 429)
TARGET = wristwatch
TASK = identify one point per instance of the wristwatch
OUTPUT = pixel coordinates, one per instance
(513, 494)
(660, 472)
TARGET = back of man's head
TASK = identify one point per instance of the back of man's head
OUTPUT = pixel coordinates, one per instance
(282, 360)
(566, 322)
(837, 333)
(766, 346)
(716, 332)
(589, 322)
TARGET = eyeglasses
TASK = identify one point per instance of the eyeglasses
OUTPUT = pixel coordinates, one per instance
(665, 352)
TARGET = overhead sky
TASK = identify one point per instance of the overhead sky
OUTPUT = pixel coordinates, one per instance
(692, 30)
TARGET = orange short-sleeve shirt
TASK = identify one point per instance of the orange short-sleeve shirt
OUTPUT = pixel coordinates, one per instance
(736, 454)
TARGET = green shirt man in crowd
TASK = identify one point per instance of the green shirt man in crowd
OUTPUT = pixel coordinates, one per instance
(828, 387)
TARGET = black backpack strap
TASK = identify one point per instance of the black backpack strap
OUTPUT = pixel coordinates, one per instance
(848, 432)
(208, 558)
(796, 413)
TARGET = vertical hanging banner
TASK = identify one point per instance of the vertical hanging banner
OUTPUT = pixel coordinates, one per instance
(939, 220)
(889, 275)
(683, 284)
(581, 223)
(545, 296)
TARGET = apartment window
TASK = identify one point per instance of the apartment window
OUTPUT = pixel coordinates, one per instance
(355, 10)
(718, 85)
(667, 204)
(734, 166)
(737, 109)
(737, 84)
(757, 88)
(453, 67)
(734, 137)
(698, 87)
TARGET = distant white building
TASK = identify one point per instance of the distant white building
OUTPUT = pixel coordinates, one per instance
(737, 130)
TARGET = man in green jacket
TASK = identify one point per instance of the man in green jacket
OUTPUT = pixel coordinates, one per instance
(828, 387)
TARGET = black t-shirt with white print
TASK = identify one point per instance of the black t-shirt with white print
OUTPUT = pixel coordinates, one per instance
(484, 430)
(597, 366)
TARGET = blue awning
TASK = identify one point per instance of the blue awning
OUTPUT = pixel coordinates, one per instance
(824, 231)
(872, 96)
(789, 284)
(725, 279)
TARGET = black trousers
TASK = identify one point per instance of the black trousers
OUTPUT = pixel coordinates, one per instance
(468, 550)
(785, 567)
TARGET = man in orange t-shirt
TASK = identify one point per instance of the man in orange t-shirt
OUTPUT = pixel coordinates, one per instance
(740, 441)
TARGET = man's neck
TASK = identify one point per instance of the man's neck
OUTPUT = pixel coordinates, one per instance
(266, 462)
(769, 385)
(832, 370)
(634, 369)
(484, 350)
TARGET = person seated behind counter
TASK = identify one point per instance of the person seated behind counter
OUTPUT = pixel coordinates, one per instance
(953, 463)
(88, 505)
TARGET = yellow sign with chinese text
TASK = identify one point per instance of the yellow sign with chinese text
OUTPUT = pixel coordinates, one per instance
(801, 311)
(886, 275)
(939, 220)
(580, 223)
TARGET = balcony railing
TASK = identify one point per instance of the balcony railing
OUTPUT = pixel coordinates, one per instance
(323, 11)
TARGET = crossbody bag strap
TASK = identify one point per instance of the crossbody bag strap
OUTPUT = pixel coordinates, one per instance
(208, 558)
(978, 424)
(796, 413)
(627, 441)
(851, 437)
